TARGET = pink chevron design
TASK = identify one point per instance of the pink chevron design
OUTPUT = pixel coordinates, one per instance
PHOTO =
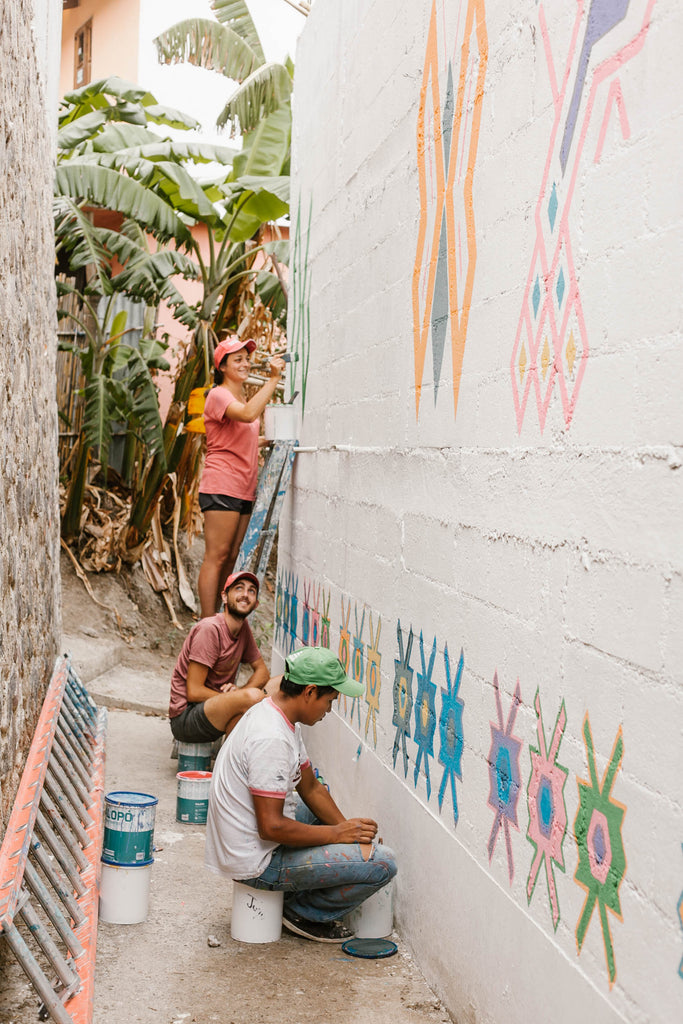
(551, 344)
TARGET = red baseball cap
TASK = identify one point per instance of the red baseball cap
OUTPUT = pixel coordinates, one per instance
(231, 344)
(241, 576)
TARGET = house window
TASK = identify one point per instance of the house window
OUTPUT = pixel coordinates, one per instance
(82, 55)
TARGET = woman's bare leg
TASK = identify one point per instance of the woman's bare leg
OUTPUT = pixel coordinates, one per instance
(220, 530)
(229, 563)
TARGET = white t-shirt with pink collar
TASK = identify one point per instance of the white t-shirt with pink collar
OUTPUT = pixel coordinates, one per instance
(264, 756)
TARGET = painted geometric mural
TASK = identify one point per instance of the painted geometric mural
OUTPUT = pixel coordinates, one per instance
(357, 661)
(373, 679)
(547, 807)
(403, 695)
(425, 715)
(451, 731)
(300, 333)
(602, 861)
(505, 780)
(449, 117)
(551, 344)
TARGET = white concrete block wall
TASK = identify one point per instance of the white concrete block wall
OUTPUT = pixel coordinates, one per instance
(546, 545)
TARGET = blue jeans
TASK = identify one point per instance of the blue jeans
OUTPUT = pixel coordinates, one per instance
(322, 883)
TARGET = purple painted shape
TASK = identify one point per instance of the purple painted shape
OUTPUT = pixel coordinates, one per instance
(603, 16)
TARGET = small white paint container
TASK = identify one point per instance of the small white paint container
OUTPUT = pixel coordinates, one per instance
(256, 914)
(124, 892)
(374, 919)
(280, 423)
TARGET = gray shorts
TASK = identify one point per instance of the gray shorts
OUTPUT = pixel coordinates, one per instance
(192, 726)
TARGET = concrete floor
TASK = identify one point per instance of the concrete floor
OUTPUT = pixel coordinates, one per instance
(164, 969)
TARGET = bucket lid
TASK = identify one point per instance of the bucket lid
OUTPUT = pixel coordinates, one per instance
(127, 864)
(125, 796)
(194, 776)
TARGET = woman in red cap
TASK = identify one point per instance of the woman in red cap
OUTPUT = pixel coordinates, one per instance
(228, 485)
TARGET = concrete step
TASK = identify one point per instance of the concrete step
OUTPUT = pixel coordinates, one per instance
(132, 689)
(92, 655)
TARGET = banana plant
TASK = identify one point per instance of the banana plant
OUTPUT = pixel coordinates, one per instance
(109, 158)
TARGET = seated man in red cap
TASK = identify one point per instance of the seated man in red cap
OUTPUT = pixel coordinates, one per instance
(272, 825)
(205, 703)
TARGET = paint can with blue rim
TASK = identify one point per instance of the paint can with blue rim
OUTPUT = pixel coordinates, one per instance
(128, 827)
(192, 804)
(194, 756)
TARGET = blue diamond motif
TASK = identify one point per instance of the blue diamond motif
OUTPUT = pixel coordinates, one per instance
(559, 289)
(536, 296)
(552, 207)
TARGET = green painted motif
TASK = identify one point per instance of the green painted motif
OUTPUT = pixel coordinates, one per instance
(300, 334)
(602, 860)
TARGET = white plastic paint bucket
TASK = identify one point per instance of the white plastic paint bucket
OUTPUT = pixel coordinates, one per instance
(256, 914)
(128, 827)
(194, 756)
(192, 804)
(124, 893)
(280, 423)
(374, 919)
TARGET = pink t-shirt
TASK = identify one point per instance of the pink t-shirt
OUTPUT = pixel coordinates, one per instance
(210, 643)
(231, 465)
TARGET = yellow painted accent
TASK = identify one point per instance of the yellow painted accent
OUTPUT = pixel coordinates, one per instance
(545, 357)
(571, 352)
(425, 714)
(402, 697)
(522, 364)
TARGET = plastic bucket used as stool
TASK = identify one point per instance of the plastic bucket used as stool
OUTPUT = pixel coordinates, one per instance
(124, 893)
(194, 756)
(374, 918)
(128, 827)
(256, 914)
(193, 797)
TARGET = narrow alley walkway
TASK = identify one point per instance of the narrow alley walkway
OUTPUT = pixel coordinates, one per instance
(164, 970)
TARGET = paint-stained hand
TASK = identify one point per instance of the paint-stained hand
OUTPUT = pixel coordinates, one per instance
(356, 830)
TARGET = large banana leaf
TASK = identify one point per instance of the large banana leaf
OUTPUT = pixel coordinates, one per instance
(209, 45)
(266, 89)
(266, 149)
(121, 136)
(75, 232)
(235, 14)
(166, 178)
(93, 96)
(104, 187)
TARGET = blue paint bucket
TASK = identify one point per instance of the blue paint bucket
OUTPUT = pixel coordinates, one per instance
(194, 756)
(128, 828)
(193, 797)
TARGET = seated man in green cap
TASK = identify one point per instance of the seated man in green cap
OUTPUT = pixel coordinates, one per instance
(259, 834)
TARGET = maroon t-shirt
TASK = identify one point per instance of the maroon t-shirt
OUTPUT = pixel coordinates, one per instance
(210, 643)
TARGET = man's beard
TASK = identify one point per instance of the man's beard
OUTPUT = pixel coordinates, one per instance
(236, 612)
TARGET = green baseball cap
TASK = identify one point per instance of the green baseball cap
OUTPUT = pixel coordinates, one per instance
(318, 666)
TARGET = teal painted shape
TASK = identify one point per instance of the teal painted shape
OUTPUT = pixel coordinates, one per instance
(546, 810)
(559, 288)
(552, 207)
(440, 310)
(503, 774)
(536, 295)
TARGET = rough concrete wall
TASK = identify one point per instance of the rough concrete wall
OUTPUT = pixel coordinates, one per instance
(487, 283)
(29, 519)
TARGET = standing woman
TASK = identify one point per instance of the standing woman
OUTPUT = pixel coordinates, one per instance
(228, 485)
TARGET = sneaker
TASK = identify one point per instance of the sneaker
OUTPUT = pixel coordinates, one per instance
(319, 931)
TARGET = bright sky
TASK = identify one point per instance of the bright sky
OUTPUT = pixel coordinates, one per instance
(194, 90)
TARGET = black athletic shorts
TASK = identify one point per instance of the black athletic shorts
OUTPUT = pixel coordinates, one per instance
(224, 503)
(192, 726)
